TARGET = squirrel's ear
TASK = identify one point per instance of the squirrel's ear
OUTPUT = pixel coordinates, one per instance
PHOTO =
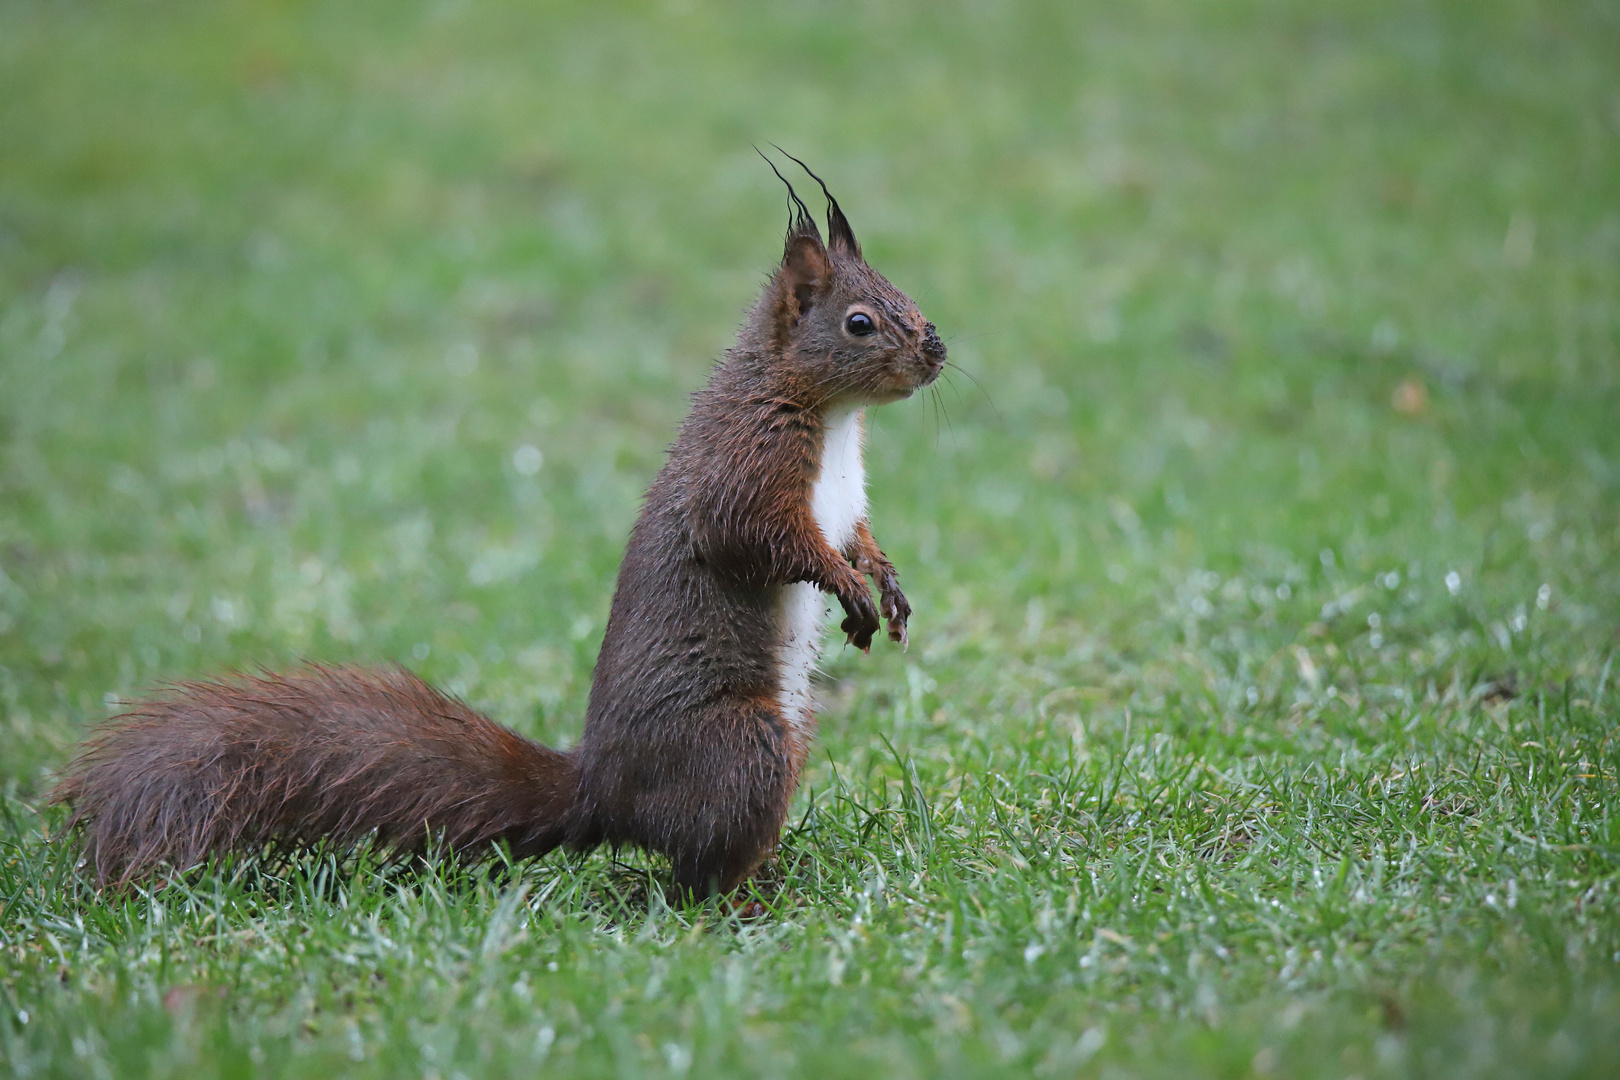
(805, 269)
(838, 231)
(838, 228)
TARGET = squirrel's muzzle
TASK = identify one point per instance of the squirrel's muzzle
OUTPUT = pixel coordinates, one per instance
(933, 351)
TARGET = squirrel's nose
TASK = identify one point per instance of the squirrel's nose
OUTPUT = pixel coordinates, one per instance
(932, 347)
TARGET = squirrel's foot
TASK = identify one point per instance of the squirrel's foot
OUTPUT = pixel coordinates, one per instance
(895, 608)
(748, 909)
(858, 634)
(860, 617)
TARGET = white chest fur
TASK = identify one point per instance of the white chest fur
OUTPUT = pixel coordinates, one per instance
(838, 503)
(839, 498)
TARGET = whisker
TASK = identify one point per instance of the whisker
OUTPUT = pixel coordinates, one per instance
(933, 412)
(956, 338)
(939, 400)
(933, 401)
(919, 401)
(988, 399)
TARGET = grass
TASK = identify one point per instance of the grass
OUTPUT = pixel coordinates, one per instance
(1260, 716)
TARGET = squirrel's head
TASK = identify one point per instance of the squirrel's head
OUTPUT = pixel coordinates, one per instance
(847, 333)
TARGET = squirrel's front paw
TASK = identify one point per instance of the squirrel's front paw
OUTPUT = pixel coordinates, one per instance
(860, 618)
(894, 607)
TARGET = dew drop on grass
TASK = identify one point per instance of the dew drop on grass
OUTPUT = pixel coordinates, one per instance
(678, 1057)
(1090, 1041)
(527, 459)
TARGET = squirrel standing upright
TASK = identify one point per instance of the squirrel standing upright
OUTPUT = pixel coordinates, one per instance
(701, 713)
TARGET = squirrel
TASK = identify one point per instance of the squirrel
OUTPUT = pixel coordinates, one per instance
(700, 714)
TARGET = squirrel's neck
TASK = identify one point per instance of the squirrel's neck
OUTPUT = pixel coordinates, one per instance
(750, 374)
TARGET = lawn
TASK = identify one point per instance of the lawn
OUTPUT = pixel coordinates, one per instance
(1260, 715)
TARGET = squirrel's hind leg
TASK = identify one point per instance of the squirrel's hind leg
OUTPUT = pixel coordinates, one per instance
(718, 813)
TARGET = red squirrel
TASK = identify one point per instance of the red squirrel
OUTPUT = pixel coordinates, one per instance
(701, 712)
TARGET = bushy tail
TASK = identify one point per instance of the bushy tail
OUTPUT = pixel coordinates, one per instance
(340, 753)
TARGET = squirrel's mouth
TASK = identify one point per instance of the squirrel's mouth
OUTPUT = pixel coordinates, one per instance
(906, 373)
(931, 366)
(908, 382)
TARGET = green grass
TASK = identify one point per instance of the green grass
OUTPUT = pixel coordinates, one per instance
(1260, 715)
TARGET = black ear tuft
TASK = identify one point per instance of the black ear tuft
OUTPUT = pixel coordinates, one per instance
(800, 223)
(838, 229)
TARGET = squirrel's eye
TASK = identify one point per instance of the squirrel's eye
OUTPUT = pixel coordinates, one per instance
(860, 324)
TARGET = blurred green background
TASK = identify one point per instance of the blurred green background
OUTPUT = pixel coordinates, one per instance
(353, 331)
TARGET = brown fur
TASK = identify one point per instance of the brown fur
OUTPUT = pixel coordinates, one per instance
(328, 752)
(685, 750)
